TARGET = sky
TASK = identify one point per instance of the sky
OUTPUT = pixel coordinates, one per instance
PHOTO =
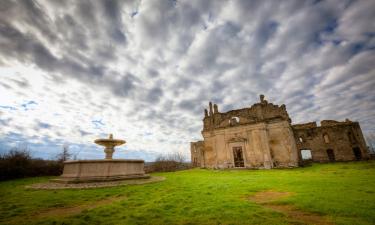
(73, 71)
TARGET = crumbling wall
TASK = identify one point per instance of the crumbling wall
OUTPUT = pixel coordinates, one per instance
(264, 145)
(250, 129)
(259, 112)
(196, 151)
(282, 145)
(344, 139)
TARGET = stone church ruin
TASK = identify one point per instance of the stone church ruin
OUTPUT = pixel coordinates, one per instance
(263, 136)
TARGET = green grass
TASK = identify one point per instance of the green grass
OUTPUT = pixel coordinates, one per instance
(344, 192)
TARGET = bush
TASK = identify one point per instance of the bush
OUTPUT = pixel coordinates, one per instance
(167, 163)
(18, 163)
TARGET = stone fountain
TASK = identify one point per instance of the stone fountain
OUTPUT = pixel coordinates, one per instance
(109, 145)
(79, 171)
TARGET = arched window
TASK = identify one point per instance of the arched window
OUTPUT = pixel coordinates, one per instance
(300, 139)
(326, 138)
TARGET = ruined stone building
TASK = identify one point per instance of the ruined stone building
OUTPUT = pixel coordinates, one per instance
(262, 136)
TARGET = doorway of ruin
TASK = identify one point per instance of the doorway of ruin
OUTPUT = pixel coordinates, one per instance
(357, 153)
(238, 157)
(331, 155)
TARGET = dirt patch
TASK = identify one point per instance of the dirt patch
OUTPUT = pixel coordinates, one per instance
(269, 196)
(301, 216)
(268, 199)
(69, 211)
(76, 209)
(64, 211)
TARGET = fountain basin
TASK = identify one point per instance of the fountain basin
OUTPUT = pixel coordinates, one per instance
(109, 142)
(80, 171)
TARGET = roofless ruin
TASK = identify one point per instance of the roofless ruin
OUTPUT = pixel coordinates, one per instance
(263, 136)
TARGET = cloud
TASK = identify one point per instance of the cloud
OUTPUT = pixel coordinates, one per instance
(44, 125)
(137, 67)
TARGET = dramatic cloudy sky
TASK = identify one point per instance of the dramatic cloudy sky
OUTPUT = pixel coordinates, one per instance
(73, 71)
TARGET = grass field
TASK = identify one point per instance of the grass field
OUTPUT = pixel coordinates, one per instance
(340, 193)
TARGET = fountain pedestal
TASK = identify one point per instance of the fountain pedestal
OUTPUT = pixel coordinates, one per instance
(80, 171)
(109, 152)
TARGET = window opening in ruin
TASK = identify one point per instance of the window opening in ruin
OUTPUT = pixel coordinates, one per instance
(306, 154)
(238, 157)
(331, 155)
(301, 139)
(234, 120)
(357, 153)
(326, 138)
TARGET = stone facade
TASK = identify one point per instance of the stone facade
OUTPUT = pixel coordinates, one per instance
(332, 141)
(262, 136)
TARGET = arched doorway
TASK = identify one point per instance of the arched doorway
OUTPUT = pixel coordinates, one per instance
(238, 157)
(331, 155)
(357, 153)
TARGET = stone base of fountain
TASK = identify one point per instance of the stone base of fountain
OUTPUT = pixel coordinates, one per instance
(81, 171)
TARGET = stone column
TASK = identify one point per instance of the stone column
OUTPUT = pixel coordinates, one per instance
(291, 146)
(268, 162)
(109, 152)
(261, 146)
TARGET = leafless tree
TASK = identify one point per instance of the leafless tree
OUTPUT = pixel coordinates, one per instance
(370, 139)
(65, 154)
(170, 162)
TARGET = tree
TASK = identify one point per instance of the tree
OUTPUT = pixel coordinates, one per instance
(170, 162)
(370, 139)
(65, 154)
(16, 163)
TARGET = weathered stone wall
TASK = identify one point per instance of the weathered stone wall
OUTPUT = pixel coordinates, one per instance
(259, 112)
(282, 143)
(262, 131)
(196, 153)
(341, 137)
(264, 145)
